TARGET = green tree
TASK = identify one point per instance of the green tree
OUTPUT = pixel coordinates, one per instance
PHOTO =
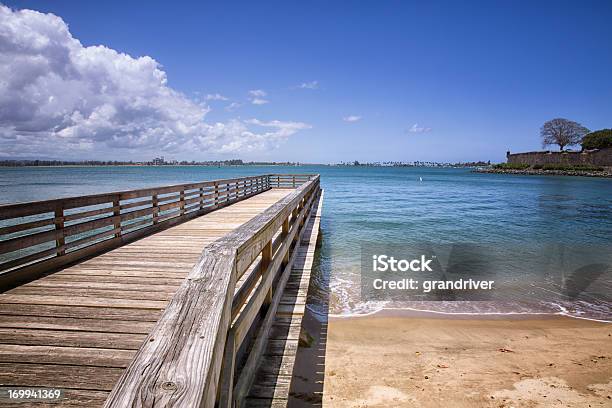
(599, 139)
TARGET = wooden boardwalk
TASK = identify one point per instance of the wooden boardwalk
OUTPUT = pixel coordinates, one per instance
(79, 328)
(275, 374)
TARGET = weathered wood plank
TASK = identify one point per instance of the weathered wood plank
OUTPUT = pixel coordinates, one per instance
(108, 303)
(114, 279)
(99, 357)
(248, 372)
(273, 379)
(81, 301)
(181, 357)
(39, 337)
(109, 293)
(63, 376)
(188, 201)
(67, 323)
(42, 284)
(71, 311)
(181, 365)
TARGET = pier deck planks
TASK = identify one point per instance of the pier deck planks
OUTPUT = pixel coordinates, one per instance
(80, 327)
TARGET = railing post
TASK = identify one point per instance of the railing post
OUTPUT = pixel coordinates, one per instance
(155, 205)
(293, 181)
(59, 226)
(216, 194)
(226, 382)
(227, 193)
(285, 232)
(266, 260)
(182, 202)
(201, 198)
(294, 215)
(117, 216)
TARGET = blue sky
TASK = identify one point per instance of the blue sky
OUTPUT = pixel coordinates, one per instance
(470, 79)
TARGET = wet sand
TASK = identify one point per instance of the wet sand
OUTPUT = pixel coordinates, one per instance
(435, 361)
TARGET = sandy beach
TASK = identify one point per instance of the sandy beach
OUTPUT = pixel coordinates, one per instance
(435, 361)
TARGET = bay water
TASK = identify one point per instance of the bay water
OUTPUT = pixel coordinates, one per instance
(509, 214)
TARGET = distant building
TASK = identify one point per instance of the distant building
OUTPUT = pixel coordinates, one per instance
(159, 161)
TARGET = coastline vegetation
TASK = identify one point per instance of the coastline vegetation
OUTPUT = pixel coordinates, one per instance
(567, 167)
(557, 167)
(600, 139)
(511, 166)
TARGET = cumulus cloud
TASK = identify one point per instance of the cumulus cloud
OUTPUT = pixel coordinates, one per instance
(236, 136)
(351, 118)
(308, 85)
(215, 97)
(58, 97)
(418, 129)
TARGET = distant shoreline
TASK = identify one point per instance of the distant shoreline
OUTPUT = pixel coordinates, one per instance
(540, 172)
(151, 165)
(439, 166)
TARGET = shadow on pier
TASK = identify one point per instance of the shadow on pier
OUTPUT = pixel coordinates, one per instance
(309, 372)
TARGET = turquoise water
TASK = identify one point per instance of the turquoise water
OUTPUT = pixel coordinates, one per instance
(397, 205)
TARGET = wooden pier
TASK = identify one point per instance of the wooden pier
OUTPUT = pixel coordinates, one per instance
(169, 296)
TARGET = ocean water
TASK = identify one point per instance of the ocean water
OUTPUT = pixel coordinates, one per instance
(567, 218)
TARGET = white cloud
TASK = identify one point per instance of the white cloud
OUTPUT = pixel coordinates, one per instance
(284, 128)
(257, 93)
(351, 118)
(308, 85)
(243, 139)
(418, 129)
(216, 97)
(233, 106)
(59, 98)
(257, 97)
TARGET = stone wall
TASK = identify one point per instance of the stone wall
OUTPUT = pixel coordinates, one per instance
(601, 157)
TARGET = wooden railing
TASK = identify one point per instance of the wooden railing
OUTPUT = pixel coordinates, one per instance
(36, 237)
(205, 348)
(289, 180)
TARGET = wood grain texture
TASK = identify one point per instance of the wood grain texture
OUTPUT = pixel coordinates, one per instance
(179, 363)
(82, 222)
(97, 314)
(272, 381)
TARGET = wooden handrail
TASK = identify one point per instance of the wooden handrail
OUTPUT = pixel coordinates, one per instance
(190, 357)
(37, 237)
